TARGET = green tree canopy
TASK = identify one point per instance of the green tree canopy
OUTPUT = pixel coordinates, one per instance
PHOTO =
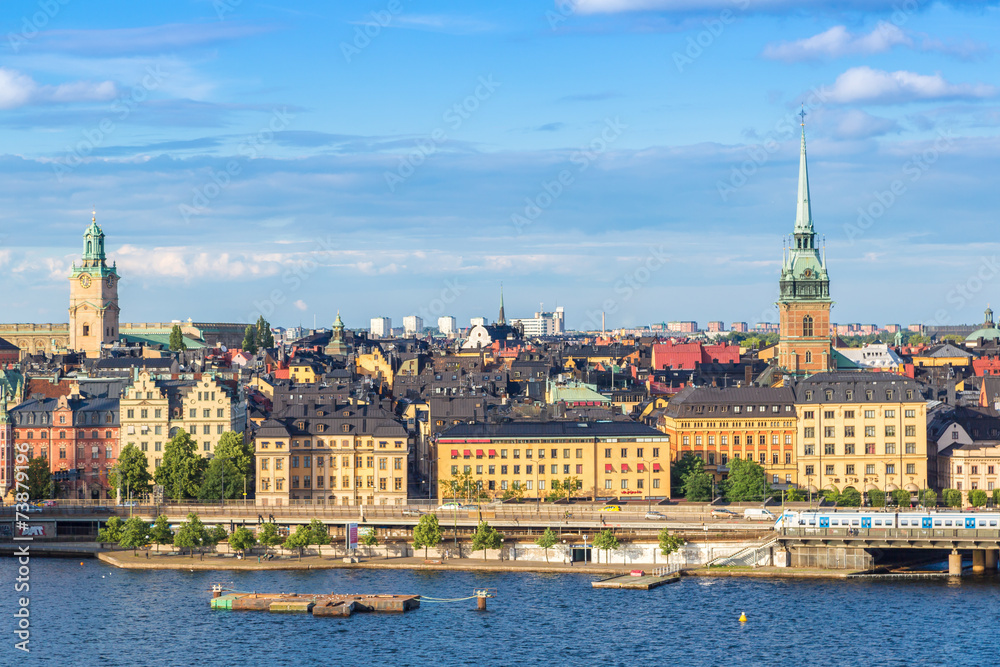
(131, 474)
(134, 534)
(546, 542)
(795, 495)
(191, 534)
(221, 475)
(216, 535)
(242, 540)
(928, 497)
(669, 543)
(319, 534)
(977, 498)
(463, 485)
(680, 468)
(300, 539)
(606, 541)
(876, 498)
(369, 539)
(747, 481)
(161, 533)
(850, 497)
(39, 482)
(177, 339)
(182, 469)
(692, 480)
(952, 498)
(234, 446)
(250, 339)
(485, 537)
(268, 536)
(264, 337)
(112, 531)
(427, 533)
(902, 497)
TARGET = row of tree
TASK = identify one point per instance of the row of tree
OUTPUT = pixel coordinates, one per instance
(465, 486)
(258, 337)
(747, 481)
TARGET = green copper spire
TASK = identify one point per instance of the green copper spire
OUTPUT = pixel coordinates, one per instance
(93, 243)
(503, 318)
(803, 212)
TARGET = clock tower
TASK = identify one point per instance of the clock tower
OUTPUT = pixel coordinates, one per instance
(93, 297)
(804, 346)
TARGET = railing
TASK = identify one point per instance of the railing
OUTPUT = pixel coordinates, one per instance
(748, 556)
(665, 570)
(915, 534)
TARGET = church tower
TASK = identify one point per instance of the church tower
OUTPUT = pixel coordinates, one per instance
(804, 305)
(93, 297)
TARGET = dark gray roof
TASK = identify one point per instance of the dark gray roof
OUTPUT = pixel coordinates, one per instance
(854, 387)
(712, 401)
(553, 429)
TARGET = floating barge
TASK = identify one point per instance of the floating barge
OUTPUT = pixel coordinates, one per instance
(329, 605)
(639, 580)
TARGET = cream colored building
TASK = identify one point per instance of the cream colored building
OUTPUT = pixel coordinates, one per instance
(862, 430)
(968, 449)
(152, 411)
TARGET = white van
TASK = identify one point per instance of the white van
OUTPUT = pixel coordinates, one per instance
(751, 514)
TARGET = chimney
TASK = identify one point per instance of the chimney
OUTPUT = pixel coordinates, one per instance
(747, 375)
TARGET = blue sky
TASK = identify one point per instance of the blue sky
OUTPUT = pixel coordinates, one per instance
(403, 156)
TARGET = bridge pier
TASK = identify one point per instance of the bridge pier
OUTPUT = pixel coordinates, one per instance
(978, 561)
(955, 563)
(991, 560)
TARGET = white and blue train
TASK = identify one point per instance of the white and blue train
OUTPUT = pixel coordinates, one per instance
(912, 519)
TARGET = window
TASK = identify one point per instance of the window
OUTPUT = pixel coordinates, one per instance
(849, 448)
(788, 439)
(736, 439)
(774, 458)
(870, 469)
(828, 414)
(774, 439)
(869, 414)
(869, 448)
(809, 432)
(869, 431)
(829, 449)
(517, 470)
(579, 453)
(810, 470)
(849, 470)
(829, 470)
(909, 413)
(829, 432)
(911, 448)
(711, 443)
(911, 431)
(503, 470)
(809, 450)
(788, 458)
(890, 430)
(807, 328)
(625, 449)
(911, 468)
(763, 458)
(624, 483)
(890, 468)
(848, 414)
(607, 484)
(697, 441)
(762, 439)
(974, 470)
(279, 464)
(848, 431)
(890, 448)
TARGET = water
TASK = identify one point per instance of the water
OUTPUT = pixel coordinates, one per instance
(92, 614)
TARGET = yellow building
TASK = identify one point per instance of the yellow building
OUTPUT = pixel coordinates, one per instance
(153, 411)
(861, 430)
(374, 364)
(304, 372)
(946, 354)
(331, 455)
(609, 459)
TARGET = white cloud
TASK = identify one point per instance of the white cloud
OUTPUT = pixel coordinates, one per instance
(301, 305)
(858, 124)
(867, 85)
(700, 6)
(838, 41)
(18, 90)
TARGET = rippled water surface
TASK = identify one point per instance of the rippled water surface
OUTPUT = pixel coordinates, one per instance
(91, 614)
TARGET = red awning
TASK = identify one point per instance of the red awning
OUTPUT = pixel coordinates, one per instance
(468, 453)
(656, 467)
(493, 452)
(479, 452)
(454, 452)
(625, 467)
(641, 467)
(608, 467)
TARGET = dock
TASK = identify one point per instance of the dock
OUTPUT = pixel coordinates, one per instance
(639, 580)
(325, 605)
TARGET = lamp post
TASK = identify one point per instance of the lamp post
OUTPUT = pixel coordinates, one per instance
(538, 492)
(649, 475)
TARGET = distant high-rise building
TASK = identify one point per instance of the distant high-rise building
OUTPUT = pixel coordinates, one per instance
(412, 324)
(447, 325)
(381, 327)
(740, 327)
(544, 323)
(716, 326)
(480, 321)
(892, 328)
(686, 326)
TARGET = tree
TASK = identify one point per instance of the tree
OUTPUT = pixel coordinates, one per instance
(928, 497)
(571, 484)
(876, 498)
(485, 537)
(191, 534)
(39, 482)
(427, 533)
(234, 446)
(370, 539)
(795, 495)
(319, 534)
(182, 469)
(515, 492)
(903, 498)
(546, 542)
(680, 468)
(216, 535)
(669, 543)
(996, 497)
(692, 480)
(606, 541)
(463, 485)
(555, 491)
(161, 533)
(952, 497)
(300, 539)
(242, 540)
(131, 474)
(112, 531)
(134, 534)
(220, 476)
(977, 497)
(747, 481)
(250, 340)
(177, 339)
(851, 497)
(268, 536)
(264, 337)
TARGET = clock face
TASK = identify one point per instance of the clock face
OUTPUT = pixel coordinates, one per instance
(808, 273)
(110, 281)
(85, 281)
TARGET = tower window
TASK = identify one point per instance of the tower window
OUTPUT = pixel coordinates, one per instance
(807, 326)
(809, 357)
(86, 329)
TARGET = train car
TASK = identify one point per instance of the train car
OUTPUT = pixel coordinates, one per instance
(910, 519)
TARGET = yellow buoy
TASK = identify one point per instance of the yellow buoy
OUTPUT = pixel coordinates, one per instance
(743, 618)
(81, 562)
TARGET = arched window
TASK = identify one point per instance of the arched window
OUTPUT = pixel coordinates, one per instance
(89, 247)
(809, 357)
(807, 325)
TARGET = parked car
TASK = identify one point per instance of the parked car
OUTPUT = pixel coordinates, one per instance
(48, 503)
(451, 506)
(758, 515)
(655, 516)
(723, 513)
(412, 513)
(611, 508)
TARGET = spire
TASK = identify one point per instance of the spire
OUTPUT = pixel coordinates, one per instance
(502, 319)
(803, 212)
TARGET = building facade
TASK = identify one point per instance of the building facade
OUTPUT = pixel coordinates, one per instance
(381, 327)
(412, 325)
(609, 460)
(93, 297)
(447, 325)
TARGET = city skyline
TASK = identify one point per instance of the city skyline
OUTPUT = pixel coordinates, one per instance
(226, 163)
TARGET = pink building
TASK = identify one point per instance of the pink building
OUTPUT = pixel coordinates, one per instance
(716, 326)
(684, 356)
(682, 326)
(740, 327)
